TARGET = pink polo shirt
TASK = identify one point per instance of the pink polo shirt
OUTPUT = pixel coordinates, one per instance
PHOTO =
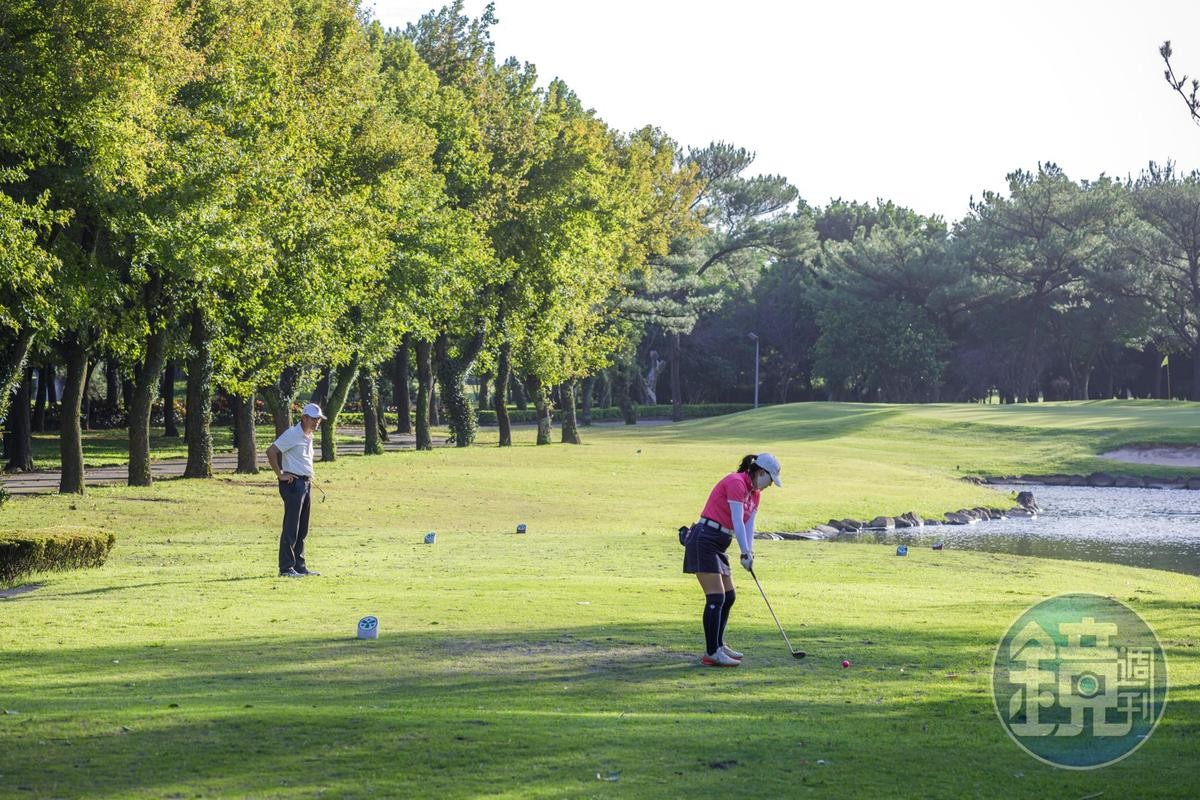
(734, 487)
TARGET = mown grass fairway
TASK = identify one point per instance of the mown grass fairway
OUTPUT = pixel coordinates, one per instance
(561, 663)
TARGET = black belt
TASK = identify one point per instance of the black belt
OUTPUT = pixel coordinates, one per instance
(299, 477)
(712, 523)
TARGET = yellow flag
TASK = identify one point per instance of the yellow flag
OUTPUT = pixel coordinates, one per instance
(1164, 363)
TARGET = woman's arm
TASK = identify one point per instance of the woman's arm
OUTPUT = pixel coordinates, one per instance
(744, 535)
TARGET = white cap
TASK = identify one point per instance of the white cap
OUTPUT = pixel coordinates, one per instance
(771, 464)
(313, 410)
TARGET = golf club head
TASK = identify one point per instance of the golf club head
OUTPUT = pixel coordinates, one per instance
(798, 654)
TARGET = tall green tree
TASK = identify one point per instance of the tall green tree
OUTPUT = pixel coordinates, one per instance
(486, 149)
(1032, 248)
(746, 223)
(1169, 203)
(87, 86)
(27, 273)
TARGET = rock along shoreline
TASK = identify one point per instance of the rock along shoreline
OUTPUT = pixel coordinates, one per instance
(1026, 507)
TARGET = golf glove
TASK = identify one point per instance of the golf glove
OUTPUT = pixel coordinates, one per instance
(748, 560)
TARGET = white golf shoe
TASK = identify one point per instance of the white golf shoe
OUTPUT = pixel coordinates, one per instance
(719, 659)
(729, 651)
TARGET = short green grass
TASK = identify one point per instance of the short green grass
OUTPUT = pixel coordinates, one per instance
(561, 663)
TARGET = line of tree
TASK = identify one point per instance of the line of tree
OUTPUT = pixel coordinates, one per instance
(267, 195)
(1054, 289)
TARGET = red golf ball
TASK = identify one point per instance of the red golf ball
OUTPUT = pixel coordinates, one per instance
(845, 664)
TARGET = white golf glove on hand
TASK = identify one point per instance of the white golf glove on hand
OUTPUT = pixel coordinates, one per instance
(748, 560)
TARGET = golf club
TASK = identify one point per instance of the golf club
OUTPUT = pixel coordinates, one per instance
(322, 491)
(795, 653)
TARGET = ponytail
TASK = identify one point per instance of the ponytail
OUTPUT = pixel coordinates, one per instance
(747, 463)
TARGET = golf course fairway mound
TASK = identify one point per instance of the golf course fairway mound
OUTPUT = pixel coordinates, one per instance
(562, 662)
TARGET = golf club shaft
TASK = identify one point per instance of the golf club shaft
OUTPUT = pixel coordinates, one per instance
(768, 602)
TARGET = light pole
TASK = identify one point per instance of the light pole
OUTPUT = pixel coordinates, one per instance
(754, 336)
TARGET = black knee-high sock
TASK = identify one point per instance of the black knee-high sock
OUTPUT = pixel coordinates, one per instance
(713, 603)
(730, 596)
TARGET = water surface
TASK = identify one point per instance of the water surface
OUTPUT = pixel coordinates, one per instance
(1157, 528)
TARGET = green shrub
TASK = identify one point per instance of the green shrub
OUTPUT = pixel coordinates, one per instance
(51, 550)
(4, 495)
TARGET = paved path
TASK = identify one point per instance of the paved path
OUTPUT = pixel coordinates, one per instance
(46, 481)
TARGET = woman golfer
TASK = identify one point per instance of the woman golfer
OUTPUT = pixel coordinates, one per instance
(730, 511)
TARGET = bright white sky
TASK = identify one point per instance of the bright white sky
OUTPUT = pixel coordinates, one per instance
(924, 103)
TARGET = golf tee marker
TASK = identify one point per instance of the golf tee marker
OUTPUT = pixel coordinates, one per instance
(368, 628)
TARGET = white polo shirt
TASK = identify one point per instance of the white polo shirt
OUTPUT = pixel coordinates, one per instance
(296, 451)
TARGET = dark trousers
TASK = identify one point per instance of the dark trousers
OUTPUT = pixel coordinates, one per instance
(295, 524)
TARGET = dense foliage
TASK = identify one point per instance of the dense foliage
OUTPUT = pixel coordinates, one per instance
(287, 200)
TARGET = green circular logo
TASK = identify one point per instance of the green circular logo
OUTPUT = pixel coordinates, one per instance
(1079, 681)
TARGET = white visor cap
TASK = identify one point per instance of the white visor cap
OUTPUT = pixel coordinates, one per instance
(771, 464)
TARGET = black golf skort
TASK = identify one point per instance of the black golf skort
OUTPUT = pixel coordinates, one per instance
(705, 549)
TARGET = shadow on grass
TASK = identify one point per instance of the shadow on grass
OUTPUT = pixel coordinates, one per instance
(542, 714)
(128, 586)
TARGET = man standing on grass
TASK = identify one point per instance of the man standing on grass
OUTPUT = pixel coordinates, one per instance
(291, 456)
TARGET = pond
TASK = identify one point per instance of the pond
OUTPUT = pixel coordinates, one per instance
(1156, 528)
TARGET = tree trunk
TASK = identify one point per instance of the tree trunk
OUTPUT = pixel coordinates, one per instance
(87, 400)
(320, 395)
(624, 377)
(344, 375)
(39, 402)
(19, 437)
(676, 385)
(452, 372)
(570, 426)
(484, 379)
(381, 417)
(588, 390)
(170, 418)
(112, 384)
(537, 390)
(126, 392)
(400, 380)
(503, 376)
(368, 396)
(244, 433)
(424, 387)
(433, 399)
(278, 396)
(606, 388)
(146, 378)
(650, 382)
(70, 434)
(520, 398)
(14, 368)
(199, 398)
(51, 387)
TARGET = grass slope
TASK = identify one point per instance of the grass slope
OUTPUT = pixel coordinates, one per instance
(561, 663)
